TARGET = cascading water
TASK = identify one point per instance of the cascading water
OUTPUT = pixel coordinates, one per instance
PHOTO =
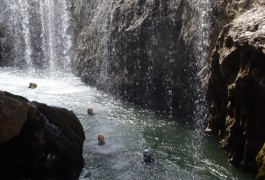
(25, 30)
(202, 8)
(39, 33)
(102, 27)
(48, 33)
(179, 153)
(97, 38)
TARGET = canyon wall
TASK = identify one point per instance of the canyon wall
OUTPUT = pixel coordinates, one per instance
(236, 92)
(140, 50)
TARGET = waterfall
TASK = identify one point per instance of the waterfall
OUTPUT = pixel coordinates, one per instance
(102, 20)
(23, 6)
(40, 33)
(203, 8)
(96, 37)
(203, 11)
(48, 32)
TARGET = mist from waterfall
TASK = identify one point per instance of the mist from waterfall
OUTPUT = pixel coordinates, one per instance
(38, 34)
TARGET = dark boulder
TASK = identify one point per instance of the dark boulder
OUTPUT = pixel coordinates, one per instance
(38, 141)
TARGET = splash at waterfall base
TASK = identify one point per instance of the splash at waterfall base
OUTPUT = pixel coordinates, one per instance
(236, 91)
(38, 141)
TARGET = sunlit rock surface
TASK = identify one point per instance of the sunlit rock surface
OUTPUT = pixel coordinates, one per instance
(11, 110)
(141, 50)
(261, 164)
(38, 141)
(236, 87)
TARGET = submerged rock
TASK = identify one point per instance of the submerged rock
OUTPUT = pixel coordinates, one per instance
(38, 141)
(236, 87)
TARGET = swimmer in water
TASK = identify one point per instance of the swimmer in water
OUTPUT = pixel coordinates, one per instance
(90, 112)
(148, 157)
(32, 85)
(101, 139)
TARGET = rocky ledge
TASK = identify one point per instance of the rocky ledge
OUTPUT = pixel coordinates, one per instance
(236, 87)
(38, 141)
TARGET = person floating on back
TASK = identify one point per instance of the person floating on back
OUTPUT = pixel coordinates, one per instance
(32, 85)
(148, 157)
(101, 139)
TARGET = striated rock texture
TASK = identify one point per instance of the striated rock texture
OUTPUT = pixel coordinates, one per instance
(236, 87)
(38, 141)
(140, 50)
(224, 12)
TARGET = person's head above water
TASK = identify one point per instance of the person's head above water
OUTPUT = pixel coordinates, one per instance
(101, 138)
(146, 152)
(90, 111)
(147, 155)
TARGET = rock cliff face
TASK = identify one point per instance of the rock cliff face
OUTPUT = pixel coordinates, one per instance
(224, 12)
(236, 87)
(140, 50)
(38, 141)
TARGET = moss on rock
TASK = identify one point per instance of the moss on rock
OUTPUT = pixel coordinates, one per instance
(261, 164)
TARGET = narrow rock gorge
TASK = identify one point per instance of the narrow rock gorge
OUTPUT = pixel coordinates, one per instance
(198, 59)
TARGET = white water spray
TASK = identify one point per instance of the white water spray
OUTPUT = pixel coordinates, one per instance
(66, 37)
(17, 21)
(48, 32)
(203, 44)
(203, 10)
(23, 6)
(43, 23)
(98, 29)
